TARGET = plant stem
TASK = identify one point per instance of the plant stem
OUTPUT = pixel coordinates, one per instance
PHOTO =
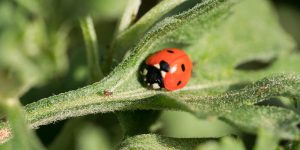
(90, 39)
(22, 135)
(266, 140)
(67, 134)
(129, 15)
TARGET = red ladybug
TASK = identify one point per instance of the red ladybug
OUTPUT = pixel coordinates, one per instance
(169, 68)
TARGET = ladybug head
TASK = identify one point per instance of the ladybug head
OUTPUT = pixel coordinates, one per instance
(153, 75)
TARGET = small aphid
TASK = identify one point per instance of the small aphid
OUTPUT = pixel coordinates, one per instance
(107, 93)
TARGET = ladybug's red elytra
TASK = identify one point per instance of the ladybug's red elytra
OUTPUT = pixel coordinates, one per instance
(168, 68)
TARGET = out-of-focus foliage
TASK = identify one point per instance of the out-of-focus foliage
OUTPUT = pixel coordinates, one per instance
(29, 53)
(227, 143)
(34, 38)
(92, 138)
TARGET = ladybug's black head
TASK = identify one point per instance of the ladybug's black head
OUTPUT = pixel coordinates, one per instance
(152, 77)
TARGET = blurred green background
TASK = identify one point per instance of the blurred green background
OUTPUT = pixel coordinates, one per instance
(61, 44)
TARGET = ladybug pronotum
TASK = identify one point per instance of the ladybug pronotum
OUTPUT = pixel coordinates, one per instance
(169, 68)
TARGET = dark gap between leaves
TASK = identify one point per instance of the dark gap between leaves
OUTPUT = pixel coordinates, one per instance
(254, 65)
(271, 102)
(146, 5)
(180, 8)
(248, 140)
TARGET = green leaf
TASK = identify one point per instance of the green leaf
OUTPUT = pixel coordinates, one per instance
(49, 110)
(278, 121)
(156, 142)
(205, 103)
(226, 143)
(215, 55)
(92, 138)
(33, 6)
(266, 140)
(67, 135)
(129, 37)
(138, 121)
(83, 134)
(157, 34)
(184, 124)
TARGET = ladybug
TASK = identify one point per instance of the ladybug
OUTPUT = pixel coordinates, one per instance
(168, 68)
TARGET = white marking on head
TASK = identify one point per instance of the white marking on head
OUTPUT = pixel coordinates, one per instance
(145, 71)
(157, 66)
(155, 86)
(163, 74)
(173, 69)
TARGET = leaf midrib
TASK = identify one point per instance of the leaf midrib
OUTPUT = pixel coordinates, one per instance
(96, 100)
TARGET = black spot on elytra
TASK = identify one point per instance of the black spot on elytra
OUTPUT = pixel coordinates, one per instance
(179, 82)
(170, 51)
(182, 67)
(164, 66)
